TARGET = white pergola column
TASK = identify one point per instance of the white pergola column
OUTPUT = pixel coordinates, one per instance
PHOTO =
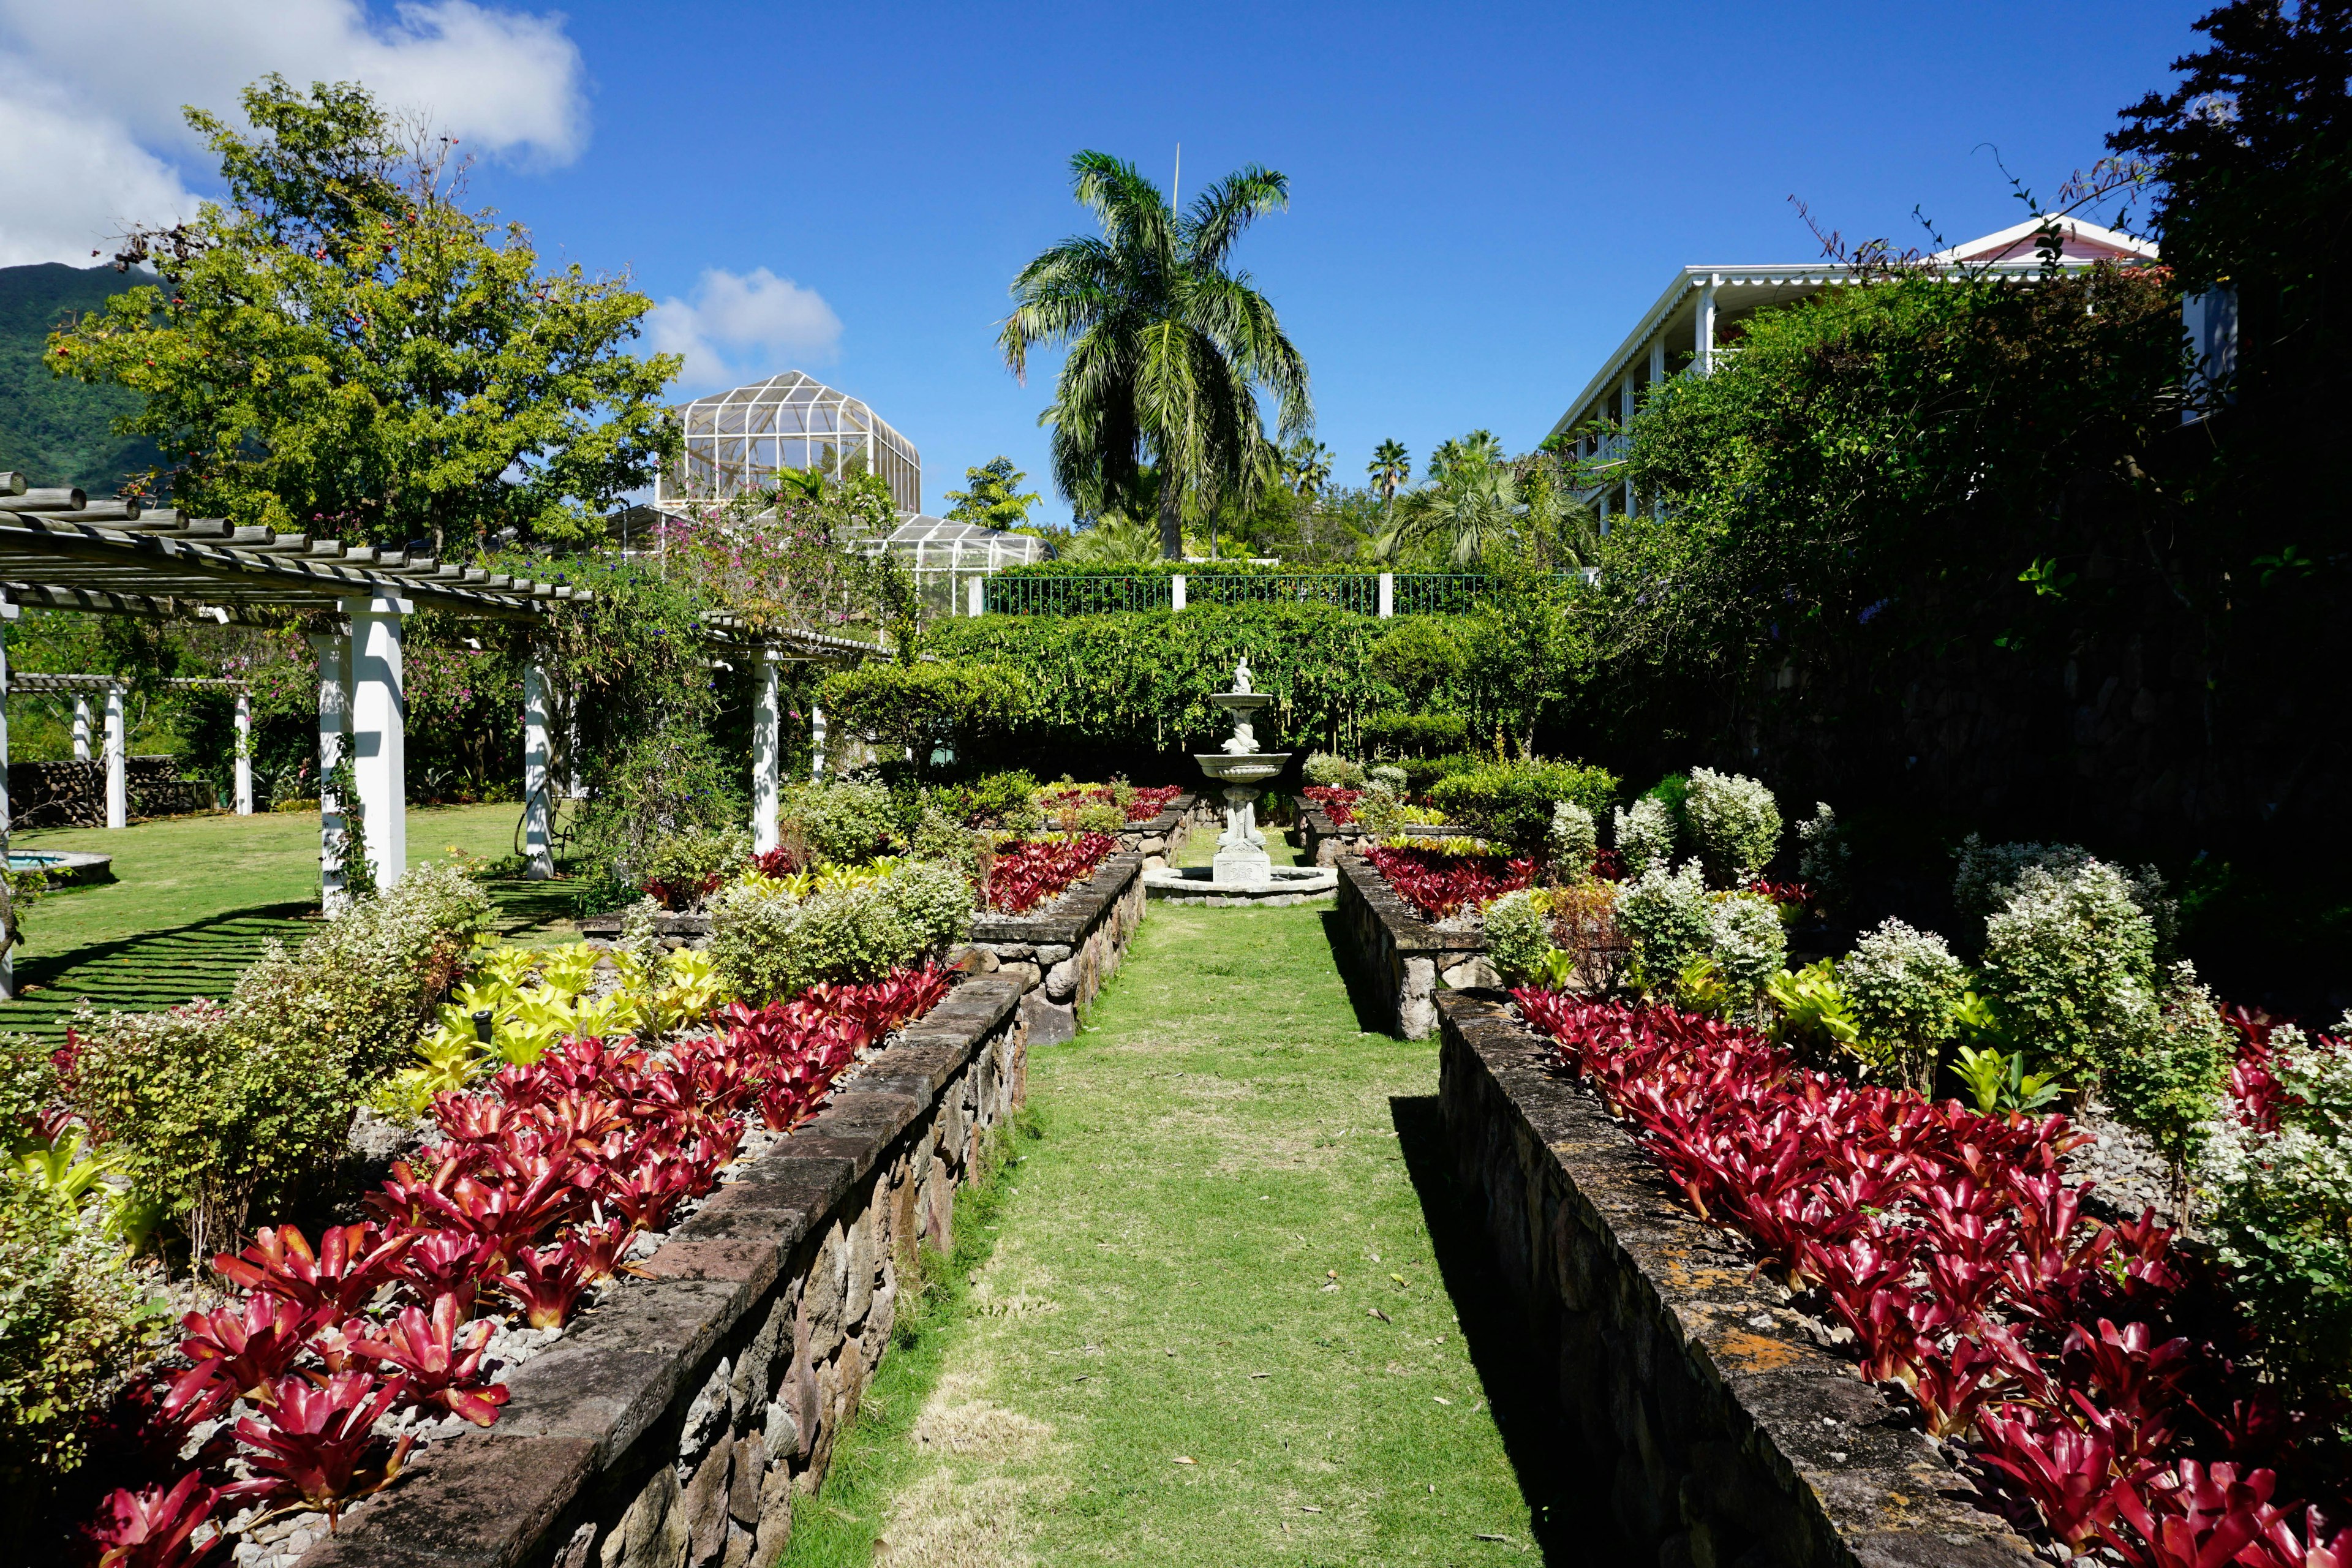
(118, 783)
(8, 958)
(81, 726)
(1703, 343)
(379, 731)
(767, 751)
(333, 651)
(244, 775)
(816, 741)
(538, 804)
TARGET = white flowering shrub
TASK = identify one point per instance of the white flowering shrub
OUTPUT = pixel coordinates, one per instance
(1747, 942)
(1824, 857)
(1644, 835)
(1386, 775)
(2170, 1073)
(1906, 986)
(1518, 932)
(1663, 915)
(2280, 1203)
(2070, 959)
(1574, 838)
(1985, 875)
(1325, 768)
(1735, 821)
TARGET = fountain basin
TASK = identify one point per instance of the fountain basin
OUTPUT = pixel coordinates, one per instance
(1200, 885)
(1243, 701)
(64, 867)
(1246, 769)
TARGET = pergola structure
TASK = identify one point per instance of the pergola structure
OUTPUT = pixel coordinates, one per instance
(58, 551)
(772, 650)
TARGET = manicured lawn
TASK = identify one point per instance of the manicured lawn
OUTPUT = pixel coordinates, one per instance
(195, 897)
(1206, 1319)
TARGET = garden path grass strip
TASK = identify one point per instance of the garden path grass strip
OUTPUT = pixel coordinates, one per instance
(1204, 1318)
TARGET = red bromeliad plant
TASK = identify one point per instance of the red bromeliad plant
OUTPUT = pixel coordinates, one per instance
(539, 1182)
(1029, 871)
(1338, 804)
(154, 1528)
(1954, 1250)
(316, 1442)
(1439, 885)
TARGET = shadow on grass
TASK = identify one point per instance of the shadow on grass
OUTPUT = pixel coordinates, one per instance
(1573, 1521)
(1373, 1015)
(152, 970)
(519, 904)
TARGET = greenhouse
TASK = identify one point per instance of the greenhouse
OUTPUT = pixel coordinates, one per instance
(737, 442)
(946, 557)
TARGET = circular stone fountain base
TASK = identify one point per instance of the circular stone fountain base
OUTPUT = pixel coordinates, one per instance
(1199, 885)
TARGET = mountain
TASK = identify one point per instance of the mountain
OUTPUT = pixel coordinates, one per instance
(60, 431)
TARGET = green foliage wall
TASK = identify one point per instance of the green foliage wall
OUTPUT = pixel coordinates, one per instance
(1142, 680)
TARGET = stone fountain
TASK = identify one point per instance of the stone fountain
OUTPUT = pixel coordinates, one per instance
(1241, 871)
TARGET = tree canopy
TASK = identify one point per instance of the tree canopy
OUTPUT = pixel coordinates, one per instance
(343, 348)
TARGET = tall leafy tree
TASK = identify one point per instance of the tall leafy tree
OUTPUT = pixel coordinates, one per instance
(994, 499)
(1169, 349)
(342, 347)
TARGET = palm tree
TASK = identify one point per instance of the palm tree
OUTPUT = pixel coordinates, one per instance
(1167, 349)
(1112, 538)
(1307, 467)
(1390, 466)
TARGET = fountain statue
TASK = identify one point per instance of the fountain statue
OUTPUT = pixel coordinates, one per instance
(1241, 870)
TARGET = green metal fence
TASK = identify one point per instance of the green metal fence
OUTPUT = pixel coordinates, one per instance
(1076, 596)
(1358, 591)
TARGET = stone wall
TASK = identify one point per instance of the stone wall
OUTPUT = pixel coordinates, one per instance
(674, 1425)
(1321, 841)
(1727, 1436)
(1061, 958)
(1399, 957)
(1160, 839)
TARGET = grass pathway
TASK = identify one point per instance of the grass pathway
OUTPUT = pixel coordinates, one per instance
(195, 896)
(1199, 1316)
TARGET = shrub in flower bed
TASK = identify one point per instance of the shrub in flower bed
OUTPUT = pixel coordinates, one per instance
(772, 938)
(535, 1189)
(1135, 803)
(1023, 873)
(1336, 802)
(2082, 1362)
(1512, 803)
(1440, 883)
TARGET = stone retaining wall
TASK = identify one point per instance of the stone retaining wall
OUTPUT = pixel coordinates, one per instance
(1321, 841)
(1400, 958)
(1062, 957)
(674, 1425)
(1158, 839)
(1726, 1433)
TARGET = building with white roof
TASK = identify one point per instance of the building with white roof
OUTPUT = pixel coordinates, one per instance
(1704, 311)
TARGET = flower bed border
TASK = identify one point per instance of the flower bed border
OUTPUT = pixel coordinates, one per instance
(1061, 958)
(1729, 1433)
(1158, 839)
(741, 1356)
(1321, 841)
(1400, 957)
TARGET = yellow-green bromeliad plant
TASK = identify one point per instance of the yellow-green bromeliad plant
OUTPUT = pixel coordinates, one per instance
(519, 1001)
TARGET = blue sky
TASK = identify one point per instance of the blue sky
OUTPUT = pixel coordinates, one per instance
(1482, 198)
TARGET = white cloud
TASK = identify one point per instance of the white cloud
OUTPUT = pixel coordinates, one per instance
(66, 185)
(93, 91)
(731, 315)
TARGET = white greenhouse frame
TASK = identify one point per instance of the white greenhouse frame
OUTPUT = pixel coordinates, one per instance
(738, 440)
